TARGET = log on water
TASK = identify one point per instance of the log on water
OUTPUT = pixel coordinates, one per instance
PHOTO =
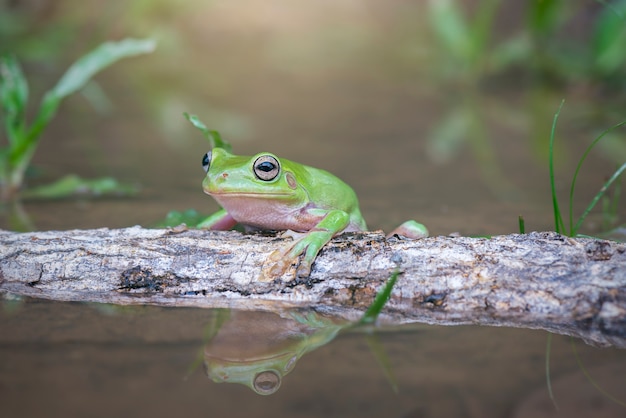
(540, 280)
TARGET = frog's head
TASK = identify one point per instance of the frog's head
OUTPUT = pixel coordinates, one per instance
(242, 180)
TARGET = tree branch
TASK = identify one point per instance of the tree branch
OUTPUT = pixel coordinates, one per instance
(540, 280)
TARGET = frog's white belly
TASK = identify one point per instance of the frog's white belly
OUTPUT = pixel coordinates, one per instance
(275, 214)
(268, 214)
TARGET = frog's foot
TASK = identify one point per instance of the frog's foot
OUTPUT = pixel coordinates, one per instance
(276, 266)
(410, 229)
(279, 261)
(300, 254)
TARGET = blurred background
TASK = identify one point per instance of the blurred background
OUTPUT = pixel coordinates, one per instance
(434, 110)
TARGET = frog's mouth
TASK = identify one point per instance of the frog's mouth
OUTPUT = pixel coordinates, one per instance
(246, 194)
(253, 201)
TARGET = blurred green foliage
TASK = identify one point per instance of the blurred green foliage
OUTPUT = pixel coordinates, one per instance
(23, 138)
(73, 185)
(545, 44)
(189, 217)
(553, 44)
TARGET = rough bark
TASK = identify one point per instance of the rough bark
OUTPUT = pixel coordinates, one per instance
(539, 280)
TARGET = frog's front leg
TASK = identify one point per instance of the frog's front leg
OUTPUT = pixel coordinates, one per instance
(219, 221)
(308, 246)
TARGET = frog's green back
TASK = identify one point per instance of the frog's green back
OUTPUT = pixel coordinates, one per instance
(327, 191)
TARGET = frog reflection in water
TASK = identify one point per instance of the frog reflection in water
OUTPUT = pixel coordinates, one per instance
(267, 193)
(258, 349)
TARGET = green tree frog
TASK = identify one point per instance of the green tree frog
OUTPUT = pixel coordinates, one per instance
(269, 193)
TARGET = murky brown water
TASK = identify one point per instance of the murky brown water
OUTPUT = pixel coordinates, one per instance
(352, 88)
(61, 359)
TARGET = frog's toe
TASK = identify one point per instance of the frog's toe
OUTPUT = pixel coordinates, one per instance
(288, 233)
(274, 257)
(304, 269)
(410, 229)
(278, 269)
(276, 265)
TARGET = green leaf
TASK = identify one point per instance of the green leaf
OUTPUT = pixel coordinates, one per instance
(482, 28)
(544, 16)
(517, 50)
(73, 185)
(214, 137)
(82, 71)
(448, 136)
(13, 96)
(190, 217)
(451, 28)
(609, 38)
(106, 54)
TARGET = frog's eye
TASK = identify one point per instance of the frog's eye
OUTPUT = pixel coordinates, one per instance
(266, 168)
(206, 161)
(266, 382)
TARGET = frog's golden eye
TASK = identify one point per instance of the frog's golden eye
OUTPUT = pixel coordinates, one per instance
(266, 168)
(206, 161)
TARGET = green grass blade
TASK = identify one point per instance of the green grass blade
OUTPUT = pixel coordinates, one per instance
(374, 344)
(548, 379)
(214, 137)
(611, 210)
(369, 317)
(591, 380)
(598, 196)
(522, 224)
(558, 220)
(580, 163)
